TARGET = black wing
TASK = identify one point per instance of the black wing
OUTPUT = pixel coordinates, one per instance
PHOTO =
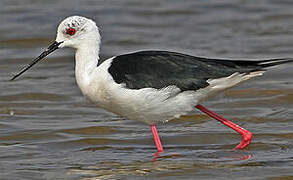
(159, 69)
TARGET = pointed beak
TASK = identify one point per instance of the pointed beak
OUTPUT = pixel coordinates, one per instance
(50, 49)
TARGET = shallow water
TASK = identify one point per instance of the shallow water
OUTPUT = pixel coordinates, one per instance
(49, 131)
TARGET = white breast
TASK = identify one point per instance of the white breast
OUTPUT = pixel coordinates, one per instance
(150, 105)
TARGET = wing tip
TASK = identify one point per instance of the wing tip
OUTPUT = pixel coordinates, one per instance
(274, 62)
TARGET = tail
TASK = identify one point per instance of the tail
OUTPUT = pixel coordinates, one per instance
(256, 65)
(274, 62)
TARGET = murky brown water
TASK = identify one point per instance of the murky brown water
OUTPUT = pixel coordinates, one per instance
(49, 131)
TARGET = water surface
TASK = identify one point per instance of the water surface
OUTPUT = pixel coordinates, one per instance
(49, 131)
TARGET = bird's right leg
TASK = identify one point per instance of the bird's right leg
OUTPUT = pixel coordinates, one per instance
(246, 135)
(157, 138)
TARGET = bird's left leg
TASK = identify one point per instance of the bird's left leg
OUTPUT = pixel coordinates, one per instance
(157, 138)
(246, 135)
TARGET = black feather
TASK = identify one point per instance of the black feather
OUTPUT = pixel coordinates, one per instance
(159, 69)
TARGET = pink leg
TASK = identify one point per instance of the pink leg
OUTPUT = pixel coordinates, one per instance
(156, 138)
(246, 135)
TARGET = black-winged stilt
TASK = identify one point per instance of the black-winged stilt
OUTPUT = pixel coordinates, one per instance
(150, 86)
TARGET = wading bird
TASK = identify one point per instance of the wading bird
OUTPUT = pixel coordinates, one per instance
(150, 86)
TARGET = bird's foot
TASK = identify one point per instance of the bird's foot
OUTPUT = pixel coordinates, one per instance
(156, 138)
(246, 135)
(246, 138)
(156, 155)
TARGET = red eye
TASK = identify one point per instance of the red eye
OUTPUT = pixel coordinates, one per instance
(70, 31)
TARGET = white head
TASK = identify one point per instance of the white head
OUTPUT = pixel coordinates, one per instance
(76, 32)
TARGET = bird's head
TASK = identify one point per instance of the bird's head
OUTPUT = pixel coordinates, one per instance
(76, 32)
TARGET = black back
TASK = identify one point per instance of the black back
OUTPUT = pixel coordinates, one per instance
(159, 69)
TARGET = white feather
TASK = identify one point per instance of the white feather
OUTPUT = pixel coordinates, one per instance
(148, 105)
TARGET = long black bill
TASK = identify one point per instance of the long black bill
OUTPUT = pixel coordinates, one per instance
(50, 49)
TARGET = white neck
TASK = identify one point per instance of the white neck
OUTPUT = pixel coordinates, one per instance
(86, 57)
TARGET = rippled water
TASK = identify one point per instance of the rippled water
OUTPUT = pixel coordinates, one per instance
(49, 131)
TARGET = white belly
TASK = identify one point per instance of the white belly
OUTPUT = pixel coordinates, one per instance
(147, 105)
(150, 105)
